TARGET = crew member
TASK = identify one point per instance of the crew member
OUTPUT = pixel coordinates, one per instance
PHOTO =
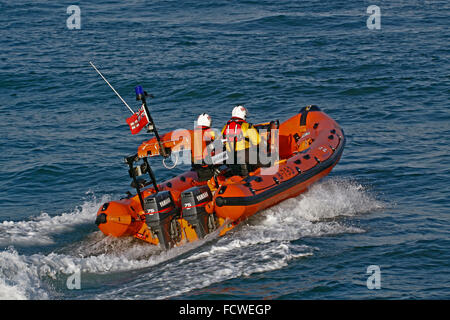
(201, 147)
(241, 139)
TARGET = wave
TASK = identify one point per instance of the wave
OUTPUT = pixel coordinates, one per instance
(41, 229)
(266, 242)
(19, 280)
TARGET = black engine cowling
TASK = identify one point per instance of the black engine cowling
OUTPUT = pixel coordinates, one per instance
(161, 216)
(193, 203)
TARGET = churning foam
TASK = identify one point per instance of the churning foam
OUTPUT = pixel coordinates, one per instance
(39, 230)
(265, 242)
(19, 280)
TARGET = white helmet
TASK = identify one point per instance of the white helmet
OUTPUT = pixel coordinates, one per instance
(204, 120)
(239, 112)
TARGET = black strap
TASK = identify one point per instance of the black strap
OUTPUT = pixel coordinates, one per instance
(305, 111)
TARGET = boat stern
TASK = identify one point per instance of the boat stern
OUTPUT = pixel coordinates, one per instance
(118, 219)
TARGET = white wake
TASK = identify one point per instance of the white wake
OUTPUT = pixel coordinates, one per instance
(265, 242)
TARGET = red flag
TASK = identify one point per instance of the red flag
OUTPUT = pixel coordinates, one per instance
(137, 121)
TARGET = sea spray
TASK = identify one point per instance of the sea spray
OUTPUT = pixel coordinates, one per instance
(41, 229)
(264, 243)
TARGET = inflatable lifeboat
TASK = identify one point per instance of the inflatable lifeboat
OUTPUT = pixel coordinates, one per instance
(184, 208)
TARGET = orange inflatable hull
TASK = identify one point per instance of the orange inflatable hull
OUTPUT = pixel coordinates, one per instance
(294, 174)
(310, 144)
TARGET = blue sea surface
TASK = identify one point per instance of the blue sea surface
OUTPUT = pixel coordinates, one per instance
(63, 137)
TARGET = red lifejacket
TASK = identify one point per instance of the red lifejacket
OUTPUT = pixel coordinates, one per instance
(233, 130)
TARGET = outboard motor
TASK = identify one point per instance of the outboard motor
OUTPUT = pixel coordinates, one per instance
(161, 215)
(193, 202)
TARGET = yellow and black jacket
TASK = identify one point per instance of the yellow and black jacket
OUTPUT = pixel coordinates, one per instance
(240, 135)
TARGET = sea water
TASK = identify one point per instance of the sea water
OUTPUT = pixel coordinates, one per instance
(63, 137)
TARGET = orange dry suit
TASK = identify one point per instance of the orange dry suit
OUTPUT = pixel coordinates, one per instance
(201, 142)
